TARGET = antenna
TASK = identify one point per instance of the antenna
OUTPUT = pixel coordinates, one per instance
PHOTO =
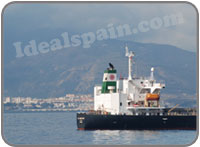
(126, 48)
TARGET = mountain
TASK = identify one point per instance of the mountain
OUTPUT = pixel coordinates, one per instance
(77, 69)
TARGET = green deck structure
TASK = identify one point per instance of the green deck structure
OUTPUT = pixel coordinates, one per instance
(108, 83)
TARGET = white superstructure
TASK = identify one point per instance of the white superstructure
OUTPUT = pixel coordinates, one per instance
(123, 96)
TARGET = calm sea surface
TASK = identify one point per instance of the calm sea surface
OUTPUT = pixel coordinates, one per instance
(60, 128)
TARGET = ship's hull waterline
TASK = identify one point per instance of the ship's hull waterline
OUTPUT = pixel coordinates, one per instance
(130, 122)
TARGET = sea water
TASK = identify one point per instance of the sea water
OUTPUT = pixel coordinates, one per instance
(60, 128)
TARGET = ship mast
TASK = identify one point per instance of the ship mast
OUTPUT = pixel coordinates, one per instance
(151, 75)
(129, 55)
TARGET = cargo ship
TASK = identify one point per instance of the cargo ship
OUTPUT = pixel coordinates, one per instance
(133, 104)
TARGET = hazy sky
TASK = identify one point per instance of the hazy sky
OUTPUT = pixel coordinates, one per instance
(24, 22)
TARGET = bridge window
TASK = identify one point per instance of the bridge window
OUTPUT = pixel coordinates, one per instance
(145, 91)
(156, 91)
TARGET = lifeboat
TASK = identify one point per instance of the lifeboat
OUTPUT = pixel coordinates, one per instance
(152, 96)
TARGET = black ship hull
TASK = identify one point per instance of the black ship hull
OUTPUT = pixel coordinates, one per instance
(132, 122)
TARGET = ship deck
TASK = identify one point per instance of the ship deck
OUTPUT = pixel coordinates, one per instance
(153, 111)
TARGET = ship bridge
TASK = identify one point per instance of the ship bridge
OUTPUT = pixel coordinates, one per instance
(119, 96)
